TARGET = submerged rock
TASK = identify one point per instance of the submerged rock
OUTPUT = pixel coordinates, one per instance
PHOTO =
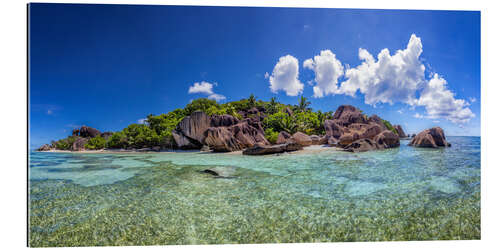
(430, 138)
(221, 172)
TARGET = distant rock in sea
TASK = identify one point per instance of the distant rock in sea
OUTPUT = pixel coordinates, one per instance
(430, 138)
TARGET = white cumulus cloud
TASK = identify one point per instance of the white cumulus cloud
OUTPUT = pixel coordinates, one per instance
(285, 76)
(389, 78)
(327, 70)
(439, 102)
(201, 87)
(216, 97)
(205, 88)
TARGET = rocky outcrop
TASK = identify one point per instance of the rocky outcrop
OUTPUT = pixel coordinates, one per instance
(347, 114)
(236, 137)
(88, 132)
(221, 139)
(430, 138)
(274, 149)
(401, 132)
(222, 133)
(79, 144)
(317, 140)
(362, 145)
(333, 129)
(183, 142)
(193, 127)
(45, 147)
(350, 127)
(283, 137)
(387, 139)
(302, 139)
(223, 120)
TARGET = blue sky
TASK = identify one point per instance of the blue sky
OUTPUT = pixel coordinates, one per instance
(107, 66)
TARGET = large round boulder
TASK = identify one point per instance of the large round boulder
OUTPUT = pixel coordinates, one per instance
(302, 139)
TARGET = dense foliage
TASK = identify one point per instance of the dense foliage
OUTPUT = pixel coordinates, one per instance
(157, 129)
(96, 143)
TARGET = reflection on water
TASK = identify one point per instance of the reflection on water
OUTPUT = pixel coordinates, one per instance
(165, 198)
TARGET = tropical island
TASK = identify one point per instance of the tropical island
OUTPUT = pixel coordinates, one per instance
(255, 127)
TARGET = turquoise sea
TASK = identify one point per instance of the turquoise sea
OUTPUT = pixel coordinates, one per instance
(316, 195)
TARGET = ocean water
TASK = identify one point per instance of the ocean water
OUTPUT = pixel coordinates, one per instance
(319, 195)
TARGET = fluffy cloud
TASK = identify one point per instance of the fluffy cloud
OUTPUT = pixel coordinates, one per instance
(327, 70)
(201, 87)
(285, 76)
(419, 116)
(205, 88)
(388, 79)
(439, 102)
(216, 97)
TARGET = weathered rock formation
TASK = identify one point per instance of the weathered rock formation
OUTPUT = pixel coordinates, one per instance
(222, 133)
(401, 132)
(430, 138)
(260, 149)
(45, 147)
(89, 132)
(350, 127)
(79, 144)
(317, 140)
(302, 139)
(362, 145)
(85, 131)
(192, 129)
(283, 137)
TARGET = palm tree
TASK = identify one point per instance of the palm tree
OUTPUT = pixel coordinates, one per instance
(303, 103)
(272, 106)
(251, 101)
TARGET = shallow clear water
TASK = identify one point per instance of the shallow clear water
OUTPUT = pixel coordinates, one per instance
(311, 196)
